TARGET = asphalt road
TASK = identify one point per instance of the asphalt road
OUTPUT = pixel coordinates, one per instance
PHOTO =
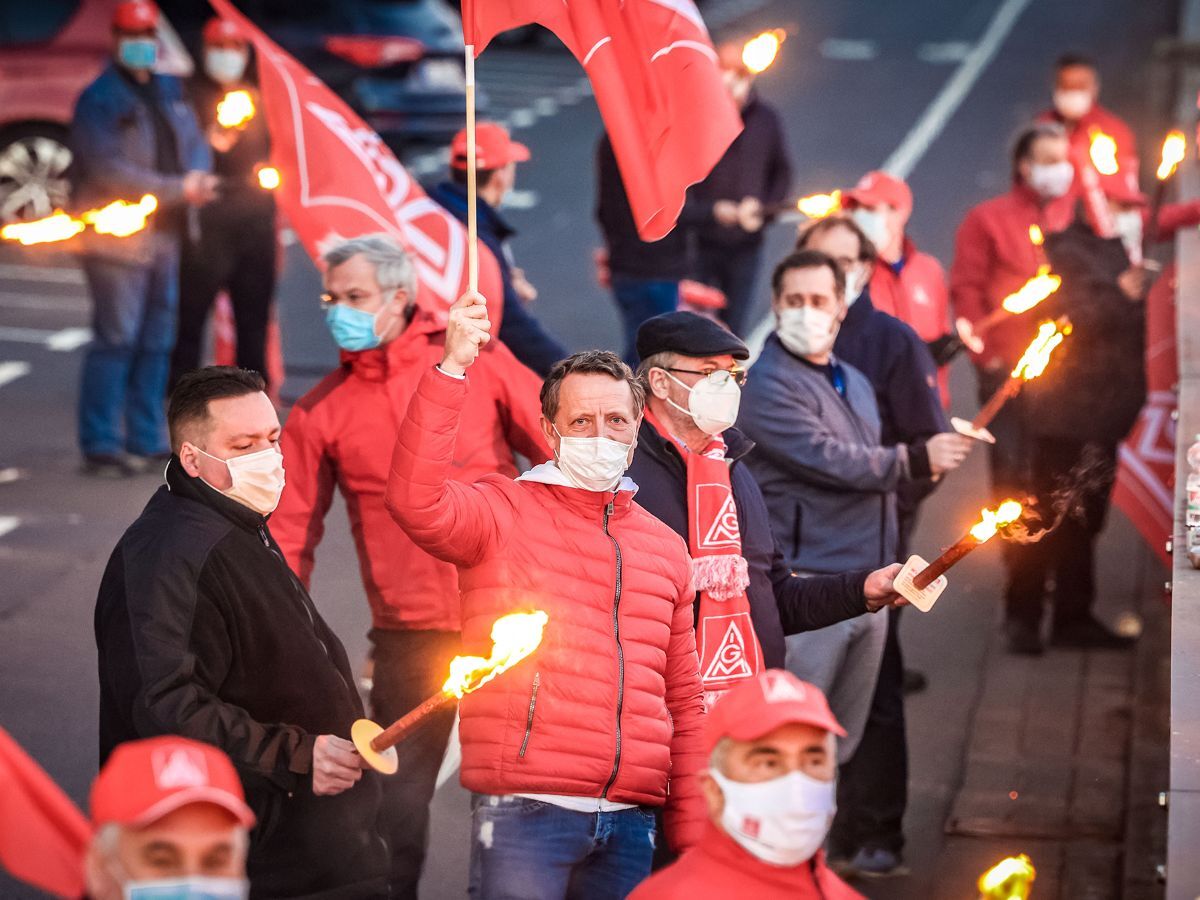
(854, 83)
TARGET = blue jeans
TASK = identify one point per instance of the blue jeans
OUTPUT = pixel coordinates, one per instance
(640, 299)
(121, 399)
(529, 850)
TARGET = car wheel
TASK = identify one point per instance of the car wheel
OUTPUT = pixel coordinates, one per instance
(33, 171)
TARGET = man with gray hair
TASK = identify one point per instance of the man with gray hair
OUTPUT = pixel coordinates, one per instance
(341, 433)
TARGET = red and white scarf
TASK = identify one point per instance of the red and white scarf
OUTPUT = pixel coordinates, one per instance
(725, 639)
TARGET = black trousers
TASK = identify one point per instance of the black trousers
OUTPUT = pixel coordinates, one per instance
(1066, 557)
(872, 789)
(411, 666)
(236, 253)
(733, 270)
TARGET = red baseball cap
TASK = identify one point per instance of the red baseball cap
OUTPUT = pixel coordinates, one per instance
(1122, 186)
(135, 15)
(876, 188)
(218, 30)
(145, 780)
(759, 705)
(493, 148)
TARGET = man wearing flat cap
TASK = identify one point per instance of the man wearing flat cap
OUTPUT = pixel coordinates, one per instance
(771, 795)
(689, 473)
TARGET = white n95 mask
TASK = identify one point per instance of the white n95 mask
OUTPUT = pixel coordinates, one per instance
(592, 463)
(713, 401)
(257, 479)
(783, 821)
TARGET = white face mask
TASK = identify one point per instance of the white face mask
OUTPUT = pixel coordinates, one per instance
(713, 402)
(1073, 105)
(225, 66)
(257, 479)
(1128, 227)
(592, 463)
(874, 224)
(807, 331)
(856, 280)
(1053, 180)
(783, 821)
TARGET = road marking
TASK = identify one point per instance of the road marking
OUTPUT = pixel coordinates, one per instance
(63, 340)
(60, 303)
(849, 49)
(11, 371)
(933, 121)
(945, 52)
(55, 274)
(521, 199)
(8, 523)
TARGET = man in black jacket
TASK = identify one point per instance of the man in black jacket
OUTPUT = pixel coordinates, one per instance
(203, 631)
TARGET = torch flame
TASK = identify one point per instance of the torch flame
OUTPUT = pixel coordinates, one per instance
(1037, 355)
(514, 637)
(818, 206)
(121, 219)
(994, 519)
(1174, 149)
(268, 177)
(1103, 151)
(235, 109)
(760, 51)
(1009, 879)
(56, 227)
(1032, 292)
(1035, 236)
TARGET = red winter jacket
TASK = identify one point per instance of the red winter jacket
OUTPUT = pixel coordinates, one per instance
(610, 703)
(342, 433)
(719, 869)
(916, 295)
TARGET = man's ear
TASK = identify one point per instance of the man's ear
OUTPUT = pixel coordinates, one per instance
(714, 799)
(549, 434)
(659, 383)
(189, 459)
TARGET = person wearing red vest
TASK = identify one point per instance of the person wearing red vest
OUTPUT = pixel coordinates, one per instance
(906, 283)
(770, 791)
(340, 434)
(569, 751)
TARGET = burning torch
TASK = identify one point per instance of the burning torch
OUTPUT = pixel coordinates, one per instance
(118, 219)
(1009, 879)
(514, 637)
(1174, 149)
(1032, 364)
(235, 110)
(760, 51)
(922, 583)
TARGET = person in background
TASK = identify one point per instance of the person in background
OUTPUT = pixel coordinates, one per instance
(170, 820)
(236, 249)
(203, 631)
(496, 158)
(133, 134)
(739, 196)
(769, 788)
(341, 434)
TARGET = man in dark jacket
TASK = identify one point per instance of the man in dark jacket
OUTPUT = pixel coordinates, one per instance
(496, 158)
(133, 134)
(737, 197)
(236, 248)
(1077, 415)
(203, 631)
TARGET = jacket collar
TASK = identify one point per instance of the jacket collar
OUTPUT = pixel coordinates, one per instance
(1027, 196)
(182, 484)
(376, 364)
(454, 196)
(650, 442)
(860, 310)
(548, 473)
(720, 847)
(777, 346)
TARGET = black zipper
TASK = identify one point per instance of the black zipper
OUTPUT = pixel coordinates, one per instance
(620, 653)
(537, 679)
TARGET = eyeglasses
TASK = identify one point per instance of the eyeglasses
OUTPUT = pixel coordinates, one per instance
(716, 376)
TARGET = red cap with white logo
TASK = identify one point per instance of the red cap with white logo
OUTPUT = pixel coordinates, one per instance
(877, 188)
(135, 16)
(771, 699)
(145, 780)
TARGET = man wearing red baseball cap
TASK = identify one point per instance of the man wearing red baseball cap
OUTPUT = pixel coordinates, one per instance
(171, 824)
(496, 158)
(770, 788)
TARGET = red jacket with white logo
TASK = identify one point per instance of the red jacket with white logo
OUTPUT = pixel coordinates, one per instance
(719, 869)
(341, 434)
(917, 295)
(609, 705)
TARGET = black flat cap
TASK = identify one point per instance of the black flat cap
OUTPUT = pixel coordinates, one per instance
(688, 334)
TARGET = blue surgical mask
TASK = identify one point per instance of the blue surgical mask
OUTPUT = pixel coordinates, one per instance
(352, 328)
(137, 53)
(196, 887)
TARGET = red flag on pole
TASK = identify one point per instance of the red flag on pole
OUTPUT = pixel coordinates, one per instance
(339, 180)
(654, 72)
(43, 835)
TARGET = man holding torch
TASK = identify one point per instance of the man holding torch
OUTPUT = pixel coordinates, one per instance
(569, 751)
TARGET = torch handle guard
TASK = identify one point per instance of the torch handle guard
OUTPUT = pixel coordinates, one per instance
(377, 745)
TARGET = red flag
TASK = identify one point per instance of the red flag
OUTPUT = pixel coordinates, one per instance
(339, 180)
(1146, 471)
(43, 835)
(654, 72)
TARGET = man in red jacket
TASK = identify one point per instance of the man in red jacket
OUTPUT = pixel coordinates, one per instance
(341, 433)
(569, 751)
(770, 792)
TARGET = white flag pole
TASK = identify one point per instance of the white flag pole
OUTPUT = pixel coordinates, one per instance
(472, 227)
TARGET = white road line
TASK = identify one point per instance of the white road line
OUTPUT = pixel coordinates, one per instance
(945, 52)
(55, 274)
(11, 371)
(62, 303)
(62, 340)
(952, 94)
(8, 523)
(849, 49)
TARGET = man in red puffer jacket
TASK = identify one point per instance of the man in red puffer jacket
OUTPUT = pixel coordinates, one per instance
(568, 752)
(341, 433)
